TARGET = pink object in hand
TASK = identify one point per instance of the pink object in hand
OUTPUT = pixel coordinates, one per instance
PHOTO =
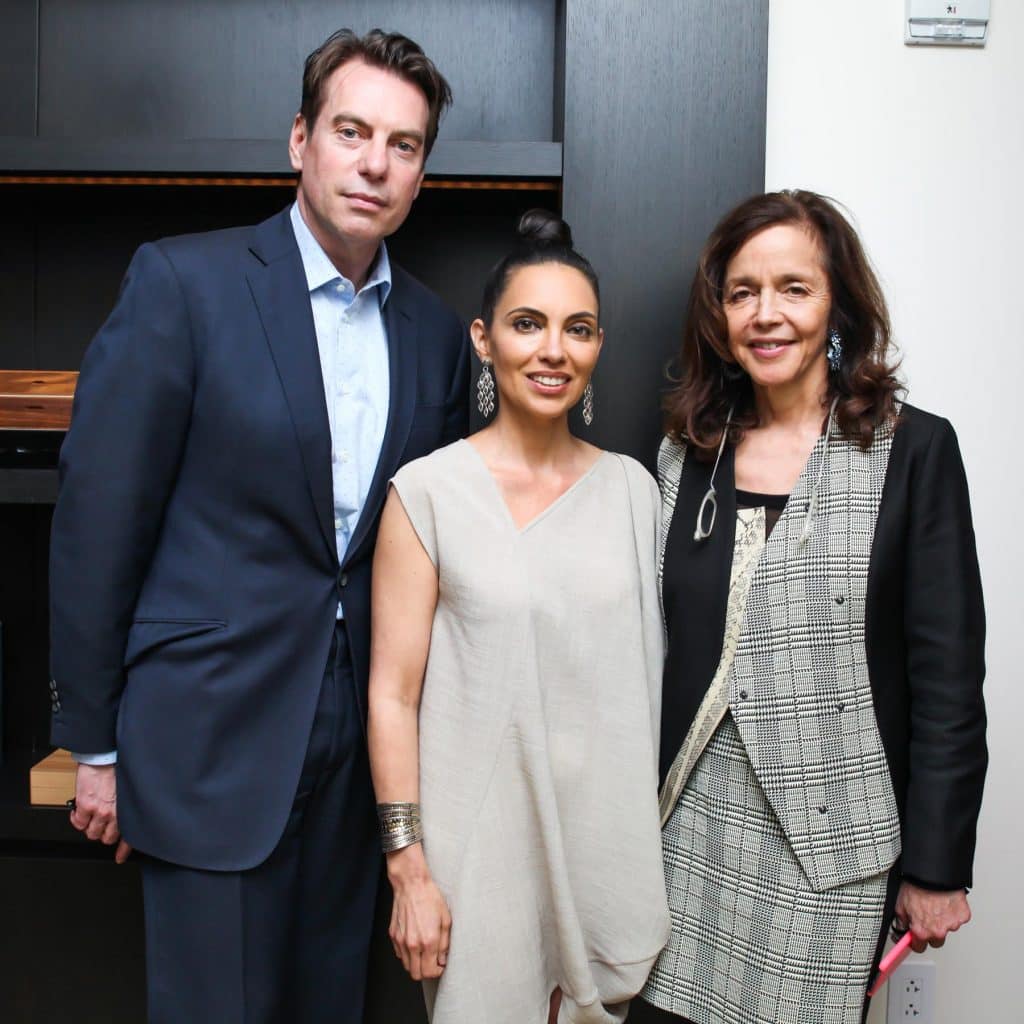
(891, 961)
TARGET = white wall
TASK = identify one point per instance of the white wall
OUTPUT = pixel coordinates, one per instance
(925, 146)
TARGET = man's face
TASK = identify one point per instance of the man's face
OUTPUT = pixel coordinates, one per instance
(362, 161)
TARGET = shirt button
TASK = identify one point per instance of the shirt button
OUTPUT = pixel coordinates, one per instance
(344, 456)
(337, 522)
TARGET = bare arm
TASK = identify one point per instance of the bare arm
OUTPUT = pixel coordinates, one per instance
(404, 598)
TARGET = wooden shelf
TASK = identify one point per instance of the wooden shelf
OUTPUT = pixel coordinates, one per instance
(247, 158)
(52, 780)
(20, 821)
(36, 399)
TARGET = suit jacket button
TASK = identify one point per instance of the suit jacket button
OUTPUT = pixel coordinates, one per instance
(342, 579)
(823, 809)
(840, 599)
(840, 706)
(743, 694)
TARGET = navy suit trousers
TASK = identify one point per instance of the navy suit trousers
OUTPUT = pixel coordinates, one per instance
(286, 942)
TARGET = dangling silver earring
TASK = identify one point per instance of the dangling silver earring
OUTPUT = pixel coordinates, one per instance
(588, 403)
(834, 350)
(485, 389)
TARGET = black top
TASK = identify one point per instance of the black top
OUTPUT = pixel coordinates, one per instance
(773, 504)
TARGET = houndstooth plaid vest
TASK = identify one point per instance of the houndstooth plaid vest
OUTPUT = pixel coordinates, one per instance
(799, 690)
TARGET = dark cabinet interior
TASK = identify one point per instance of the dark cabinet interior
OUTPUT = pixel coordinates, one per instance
(123, 122)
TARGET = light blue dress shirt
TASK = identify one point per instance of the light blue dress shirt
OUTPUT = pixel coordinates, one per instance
(353, 346)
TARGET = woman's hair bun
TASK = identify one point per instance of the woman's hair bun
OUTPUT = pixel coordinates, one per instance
(542, 227)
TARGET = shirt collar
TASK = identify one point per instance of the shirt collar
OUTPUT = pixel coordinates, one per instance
(320, 270)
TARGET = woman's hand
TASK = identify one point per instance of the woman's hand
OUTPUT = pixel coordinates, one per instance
(931, 916)
(421, 925)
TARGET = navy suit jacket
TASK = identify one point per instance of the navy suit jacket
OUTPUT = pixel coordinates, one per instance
(193, 573)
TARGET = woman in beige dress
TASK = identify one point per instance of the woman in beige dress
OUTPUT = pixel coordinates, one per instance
(515, 675)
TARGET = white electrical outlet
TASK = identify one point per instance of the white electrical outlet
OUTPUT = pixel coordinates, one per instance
(912, 993)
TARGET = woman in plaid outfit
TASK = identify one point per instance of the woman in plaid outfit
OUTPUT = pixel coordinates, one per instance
(823, 748)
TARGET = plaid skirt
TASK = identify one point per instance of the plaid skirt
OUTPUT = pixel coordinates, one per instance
(752, 942)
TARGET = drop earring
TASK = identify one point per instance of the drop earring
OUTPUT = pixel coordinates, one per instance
(588, 403)
(485, 389)
(834, 350)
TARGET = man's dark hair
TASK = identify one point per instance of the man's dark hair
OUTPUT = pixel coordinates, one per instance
(388, 50)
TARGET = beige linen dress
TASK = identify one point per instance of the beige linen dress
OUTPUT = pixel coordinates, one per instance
(538, 739)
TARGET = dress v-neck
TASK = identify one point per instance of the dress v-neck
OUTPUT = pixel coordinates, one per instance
(550, 507)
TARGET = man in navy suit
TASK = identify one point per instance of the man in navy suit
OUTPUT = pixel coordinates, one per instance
(238, 417)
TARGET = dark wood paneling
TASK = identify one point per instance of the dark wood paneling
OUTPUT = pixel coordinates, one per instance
(86, 237)
(87, 234)
(558, 117)
(18, 51)
(664, 131)
(449, 159)
(196, 69)
(451, 240)
(17, 282)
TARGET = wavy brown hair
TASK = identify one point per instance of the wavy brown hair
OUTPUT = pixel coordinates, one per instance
(709, 381)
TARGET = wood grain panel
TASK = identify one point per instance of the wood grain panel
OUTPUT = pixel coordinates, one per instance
(17, 280)
(18, 53)
(192, 69)
(165, 156)
(52, 780)
(664, 130)
(489, 185)
(36, 399)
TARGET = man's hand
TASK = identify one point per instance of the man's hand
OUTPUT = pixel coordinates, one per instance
(95, 810)
(931, 916)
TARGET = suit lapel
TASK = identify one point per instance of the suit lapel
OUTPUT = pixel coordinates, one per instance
(279, 289)
(402, 330)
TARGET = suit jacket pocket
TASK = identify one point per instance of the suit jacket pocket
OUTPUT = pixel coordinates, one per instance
(146, 635)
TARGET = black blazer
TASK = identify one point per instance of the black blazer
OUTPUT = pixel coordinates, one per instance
(193, 575)
(925, 634)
